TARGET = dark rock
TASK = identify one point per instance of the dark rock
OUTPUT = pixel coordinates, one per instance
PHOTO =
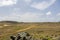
(22, 36)
(12, 37)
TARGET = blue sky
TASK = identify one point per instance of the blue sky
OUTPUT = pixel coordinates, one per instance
(30, 10)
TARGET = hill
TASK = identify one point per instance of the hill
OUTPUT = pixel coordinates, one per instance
(36, 29)
(8, 22)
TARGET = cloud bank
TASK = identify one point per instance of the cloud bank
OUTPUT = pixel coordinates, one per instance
(42, 5)
(7, 2)
(27, 17)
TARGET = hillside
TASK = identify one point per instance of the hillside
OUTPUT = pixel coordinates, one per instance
(37, 29)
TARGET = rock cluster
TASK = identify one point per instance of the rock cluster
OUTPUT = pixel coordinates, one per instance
(22, 36)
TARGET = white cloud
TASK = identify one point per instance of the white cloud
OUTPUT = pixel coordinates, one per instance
(12, 17)
(42, 5)
(7, 2)
(58, 14)
(48, 13)
(25, 17)
(30, 17)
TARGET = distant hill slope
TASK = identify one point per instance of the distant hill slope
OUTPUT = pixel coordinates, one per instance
(9, 22)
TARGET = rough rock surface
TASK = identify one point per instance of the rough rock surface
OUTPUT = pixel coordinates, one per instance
(22, 36)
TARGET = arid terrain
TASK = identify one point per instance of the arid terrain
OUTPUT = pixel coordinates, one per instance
(38, 30)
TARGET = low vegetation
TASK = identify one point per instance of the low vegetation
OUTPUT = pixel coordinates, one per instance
(39, 31)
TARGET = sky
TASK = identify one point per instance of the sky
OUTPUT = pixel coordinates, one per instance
(30, 10)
